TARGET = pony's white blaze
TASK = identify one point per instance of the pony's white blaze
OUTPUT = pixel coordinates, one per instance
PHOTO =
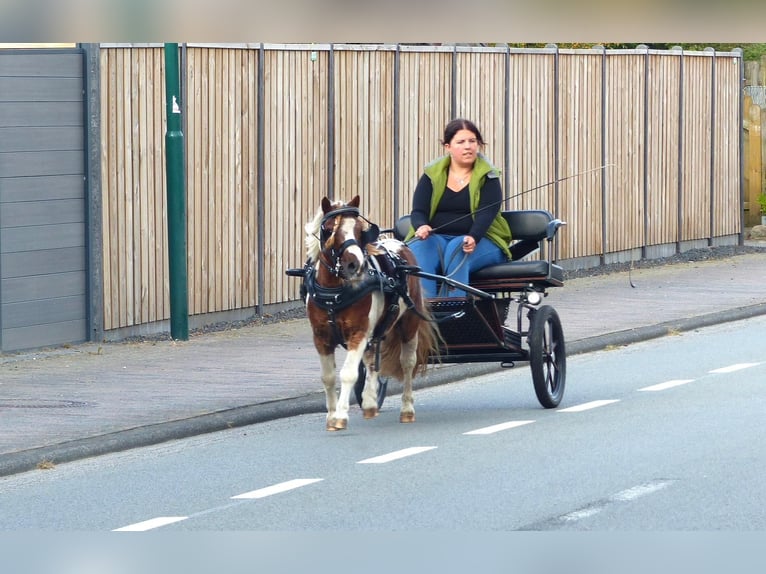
(347, 229)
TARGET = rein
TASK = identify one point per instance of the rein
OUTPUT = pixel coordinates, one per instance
(497, 203)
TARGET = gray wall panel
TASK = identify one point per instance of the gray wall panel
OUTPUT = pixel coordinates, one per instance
(15, 114)
(41, 138)
(30, 213)
(28, 163)
(42, 237)
(41, 90)
(35, 287)
(42, 262)
(36, 64)
(39, 188)
(43, 312)
(35, 336)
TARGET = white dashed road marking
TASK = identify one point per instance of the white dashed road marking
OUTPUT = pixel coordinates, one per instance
(627, 495)
(588, 406)
(641, 490)
(498, 428)
(151, 524)
(733, 368)
(580, 514)
(667, 385)
(396, 455)
(277, 488)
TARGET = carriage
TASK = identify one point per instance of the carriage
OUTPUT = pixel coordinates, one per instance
(500, 319)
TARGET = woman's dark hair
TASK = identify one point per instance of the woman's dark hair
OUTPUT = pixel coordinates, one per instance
(461, 124)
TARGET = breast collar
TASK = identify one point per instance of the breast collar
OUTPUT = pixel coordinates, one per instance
(381, 274)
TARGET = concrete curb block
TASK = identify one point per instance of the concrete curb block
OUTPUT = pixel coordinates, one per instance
(23, 461)
(629, 336)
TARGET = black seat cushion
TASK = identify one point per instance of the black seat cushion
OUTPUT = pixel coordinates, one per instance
(516, 273)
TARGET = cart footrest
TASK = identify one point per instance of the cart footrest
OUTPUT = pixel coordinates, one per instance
(511, 338)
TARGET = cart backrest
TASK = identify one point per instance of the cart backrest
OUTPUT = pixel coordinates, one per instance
(529, 228)
(528, 224)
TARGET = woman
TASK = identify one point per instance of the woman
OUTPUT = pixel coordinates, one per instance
(456, 217)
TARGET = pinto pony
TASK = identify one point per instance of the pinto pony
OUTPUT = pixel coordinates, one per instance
(359, 295)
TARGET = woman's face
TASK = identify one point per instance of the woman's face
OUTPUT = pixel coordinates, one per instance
(463, 147)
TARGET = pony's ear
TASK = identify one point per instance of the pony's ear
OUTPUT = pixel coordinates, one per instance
(370, 235)
(354, 202)
(326, 205)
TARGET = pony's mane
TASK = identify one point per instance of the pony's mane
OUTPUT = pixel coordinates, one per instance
(312, 236)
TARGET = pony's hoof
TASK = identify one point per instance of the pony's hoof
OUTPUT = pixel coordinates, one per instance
(370, 413)
(407, 418)
(337, 424)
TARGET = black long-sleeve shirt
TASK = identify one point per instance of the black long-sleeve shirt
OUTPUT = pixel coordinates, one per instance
(453, 214)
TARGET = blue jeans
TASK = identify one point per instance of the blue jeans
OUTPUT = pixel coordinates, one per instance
(458, 265)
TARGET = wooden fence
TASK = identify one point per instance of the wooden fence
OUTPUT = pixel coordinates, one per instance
(645, 145)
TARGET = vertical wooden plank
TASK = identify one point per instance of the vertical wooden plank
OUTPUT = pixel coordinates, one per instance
(209, 239)
(191, 138)
(192, 170)
(147, 175)
(109, 184)
(624, 151)
(142, 188)
(133, 161)
(252, 245)
(125, 205)
(223, 281)
(662, 170)
(159, 122)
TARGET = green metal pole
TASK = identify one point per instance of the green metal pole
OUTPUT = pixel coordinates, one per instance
(174, 178)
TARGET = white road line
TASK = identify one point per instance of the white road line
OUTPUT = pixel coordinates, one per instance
(641, 490)
(278, 488)
(499, 427)
(733, 368)
(581, 514)
(396, 455)
(150, 524)
(588, 406)
(667, 385)
(626, 495)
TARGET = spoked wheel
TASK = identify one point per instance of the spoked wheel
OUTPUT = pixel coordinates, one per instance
(547, 355)
(359, 386)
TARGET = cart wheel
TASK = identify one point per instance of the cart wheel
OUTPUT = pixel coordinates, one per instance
(359, 386)
(547, 355)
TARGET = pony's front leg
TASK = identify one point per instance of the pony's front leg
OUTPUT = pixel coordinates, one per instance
(370, 391)
(349, 373)
(327, 365)
(408, 357)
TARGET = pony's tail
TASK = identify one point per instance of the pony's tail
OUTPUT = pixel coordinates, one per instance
(429, 339)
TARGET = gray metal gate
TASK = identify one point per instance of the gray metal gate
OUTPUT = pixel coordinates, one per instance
(43, 261)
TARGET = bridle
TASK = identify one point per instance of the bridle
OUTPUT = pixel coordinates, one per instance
(330, 257)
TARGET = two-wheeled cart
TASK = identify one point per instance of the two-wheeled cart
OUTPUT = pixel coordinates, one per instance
(502, 318)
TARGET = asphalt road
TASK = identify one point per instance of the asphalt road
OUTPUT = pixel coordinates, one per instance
(658, 436)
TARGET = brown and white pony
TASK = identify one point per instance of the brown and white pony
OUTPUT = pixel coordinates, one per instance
(350, 301)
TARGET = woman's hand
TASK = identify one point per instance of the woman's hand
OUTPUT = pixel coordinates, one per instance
(469, 244)
(423, 232)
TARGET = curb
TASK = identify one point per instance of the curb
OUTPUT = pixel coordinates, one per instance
(23, 461)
